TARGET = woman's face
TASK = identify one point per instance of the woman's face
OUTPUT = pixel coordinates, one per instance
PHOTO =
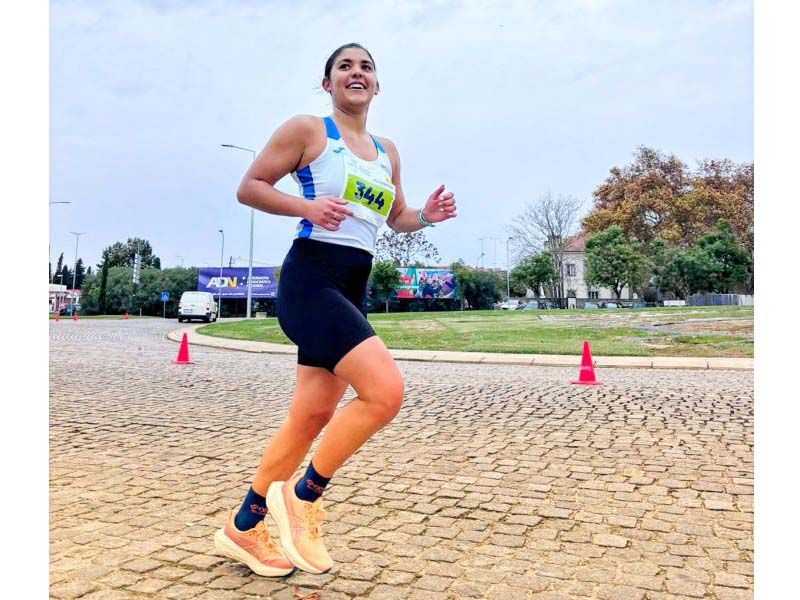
(353, 79)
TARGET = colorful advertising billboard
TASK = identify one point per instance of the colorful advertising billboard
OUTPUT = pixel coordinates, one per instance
(233, 282)
(426, 283)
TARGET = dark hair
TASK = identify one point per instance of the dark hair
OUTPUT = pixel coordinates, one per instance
(329, 64)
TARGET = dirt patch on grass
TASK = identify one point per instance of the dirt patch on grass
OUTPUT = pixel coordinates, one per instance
(738, 328)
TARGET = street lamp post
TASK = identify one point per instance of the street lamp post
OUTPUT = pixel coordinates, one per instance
(508, 274)
(219, 283)
(75, 265)
(252, 218)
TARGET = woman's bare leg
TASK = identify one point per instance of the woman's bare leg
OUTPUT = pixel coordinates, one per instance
(314, 401)
(373, 374)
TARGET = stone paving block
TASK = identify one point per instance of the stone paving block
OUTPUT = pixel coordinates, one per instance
(149, 585)
(71, 589)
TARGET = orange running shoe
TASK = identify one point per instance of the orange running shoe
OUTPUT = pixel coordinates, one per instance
(254, 548)
(300, 526)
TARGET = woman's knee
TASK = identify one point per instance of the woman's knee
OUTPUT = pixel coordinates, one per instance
(310, 421)
(385, 399)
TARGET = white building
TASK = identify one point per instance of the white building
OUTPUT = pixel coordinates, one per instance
(575, 271)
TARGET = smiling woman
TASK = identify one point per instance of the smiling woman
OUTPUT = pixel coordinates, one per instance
(348, 187)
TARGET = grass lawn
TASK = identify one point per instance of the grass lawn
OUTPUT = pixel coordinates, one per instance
(679, 331)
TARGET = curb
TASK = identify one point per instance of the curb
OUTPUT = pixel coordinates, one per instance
(488, 358)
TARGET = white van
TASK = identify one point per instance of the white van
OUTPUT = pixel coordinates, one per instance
(197, 305)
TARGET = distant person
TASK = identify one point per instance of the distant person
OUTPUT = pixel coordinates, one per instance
(349, 185)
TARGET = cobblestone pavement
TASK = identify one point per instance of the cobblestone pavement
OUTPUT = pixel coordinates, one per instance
(494, 481)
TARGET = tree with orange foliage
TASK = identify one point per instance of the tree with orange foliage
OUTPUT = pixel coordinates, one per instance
(657, 196)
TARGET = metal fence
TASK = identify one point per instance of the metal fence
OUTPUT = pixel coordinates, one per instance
(721, 300)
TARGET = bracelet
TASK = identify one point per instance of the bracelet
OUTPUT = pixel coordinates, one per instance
(423, 221)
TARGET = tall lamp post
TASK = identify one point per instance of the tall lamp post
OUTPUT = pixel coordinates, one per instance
(252, 217)
(219, 283)
(75, 265)
(508, 274)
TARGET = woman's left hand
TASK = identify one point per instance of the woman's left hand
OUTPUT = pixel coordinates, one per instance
(440, 206)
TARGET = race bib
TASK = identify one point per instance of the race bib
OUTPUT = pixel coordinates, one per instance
(371, 188)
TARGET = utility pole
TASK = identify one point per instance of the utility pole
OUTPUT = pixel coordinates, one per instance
(477, 263)
(508, 273)
(219, 283)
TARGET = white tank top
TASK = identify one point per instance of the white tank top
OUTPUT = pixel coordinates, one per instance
(367, 185)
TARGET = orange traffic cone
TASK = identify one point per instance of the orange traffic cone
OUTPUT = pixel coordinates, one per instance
(74, 316)
(58, 317)
(586, 376)
(126, 316)
(183, 353)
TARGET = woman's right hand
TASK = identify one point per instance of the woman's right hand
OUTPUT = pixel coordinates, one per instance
(328, 212)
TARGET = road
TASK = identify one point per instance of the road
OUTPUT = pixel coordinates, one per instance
(494, 481)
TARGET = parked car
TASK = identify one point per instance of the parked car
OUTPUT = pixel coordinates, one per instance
(69, 309)
(610, 305)
(590, 305)
(197, 305)
(533, 305)
(510, 305)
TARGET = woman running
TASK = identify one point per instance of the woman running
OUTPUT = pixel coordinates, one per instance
(349, 181)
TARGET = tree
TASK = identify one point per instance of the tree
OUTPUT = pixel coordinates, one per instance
(80, 273)
(535, 272)
(102, 291)
(483, 289)
(726, 262)
(66, 276)
(464, 278)
(614, 261)
(118, 287)
(543, 225)
(384, 279)
(403, 248)
(658, 196)
(122, 255)
(59, 266)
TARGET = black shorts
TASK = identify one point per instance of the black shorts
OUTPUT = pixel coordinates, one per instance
(322, 300)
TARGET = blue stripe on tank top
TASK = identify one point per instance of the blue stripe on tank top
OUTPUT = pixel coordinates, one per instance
(377, 144)
(307, 181)
(330, 129)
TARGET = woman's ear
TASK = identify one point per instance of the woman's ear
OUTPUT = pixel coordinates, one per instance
(377, 87)
(326, 84)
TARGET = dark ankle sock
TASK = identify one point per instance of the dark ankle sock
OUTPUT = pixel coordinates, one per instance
(311, 485)
(253, 510)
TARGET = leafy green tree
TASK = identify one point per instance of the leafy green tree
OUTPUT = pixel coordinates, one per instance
(483, 289)
(723, 262)
(614, 261)
(122, 255)
(119, 288)
(384, 279)
(464, 278)
(535, 272)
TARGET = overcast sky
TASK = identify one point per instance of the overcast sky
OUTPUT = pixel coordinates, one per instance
(500, 101)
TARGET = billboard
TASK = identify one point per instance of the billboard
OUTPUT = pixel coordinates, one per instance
(233, 282)
(426, 283)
